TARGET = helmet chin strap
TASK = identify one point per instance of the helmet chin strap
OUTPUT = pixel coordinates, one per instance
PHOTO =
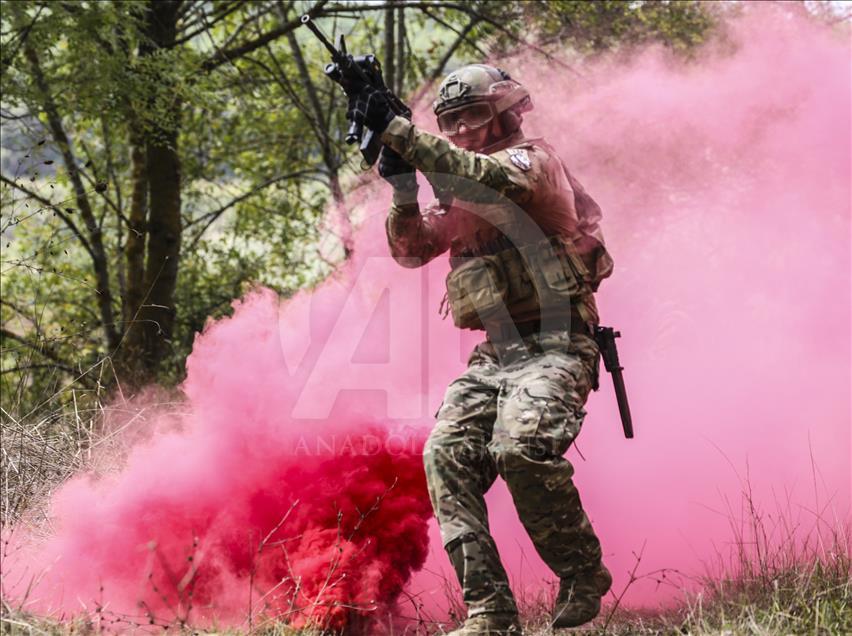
(496, 143)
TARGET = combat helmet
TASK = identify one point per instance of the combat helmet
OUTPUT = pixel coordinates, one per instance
(477, 93)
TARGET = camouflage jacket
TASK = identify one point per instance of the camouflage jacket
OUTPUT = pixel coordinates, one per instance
(489, 195)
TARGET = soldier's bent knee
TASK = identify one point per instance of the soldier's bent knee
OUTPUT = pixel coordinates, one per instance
(440, 453)
(508, 453)
(529, 459)
(436, 444)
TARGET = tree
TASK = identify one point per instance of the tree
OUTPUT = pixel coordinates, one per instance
(144, 184)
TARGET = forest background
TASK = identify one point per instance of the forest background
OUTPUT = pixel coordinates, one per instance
(161, 157)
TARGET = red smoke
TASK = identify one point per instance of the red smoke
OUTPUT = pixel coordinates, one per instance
(725, 188)
(232, 508)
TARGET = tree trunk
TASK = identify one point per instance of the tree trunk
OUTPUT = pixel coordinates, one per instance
(400, 51)
(389, 48)
(131, 350)
(155, 313)
(134, 248)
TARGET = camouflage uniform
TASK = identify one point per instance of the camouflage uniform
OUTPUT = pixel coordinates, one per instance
(514, 416)
(519, 405)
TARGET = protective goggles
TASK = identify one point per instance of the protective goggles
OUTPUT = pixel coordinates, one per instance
(473, 116)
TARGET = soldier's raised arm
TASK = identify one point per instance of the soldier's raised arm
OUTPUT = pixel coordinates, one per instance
(414, 237)
(480, 108)
(478, 173)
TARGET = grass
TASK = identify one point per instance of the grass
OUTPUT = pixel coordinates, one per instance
(803, 598)
(796, 585)
(786, 573)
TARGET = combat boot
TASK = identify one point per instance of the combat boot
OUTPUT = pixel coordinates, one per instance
(579, 598)
(490, 625)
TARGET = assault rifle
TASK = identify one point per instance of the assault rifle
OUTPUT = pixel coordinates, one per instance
(353, 73)
(605, 337)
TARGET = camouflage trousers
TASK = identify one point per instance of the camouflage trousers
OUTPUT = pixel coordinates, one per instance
(514, 412)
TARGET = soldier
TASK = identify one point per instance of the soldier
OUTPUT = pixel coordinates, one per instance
(527, 254)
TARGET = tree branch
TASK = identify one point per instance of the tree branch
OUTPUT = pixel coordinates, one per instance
(188, 7)
(210, 217)
(20, 311)
(251, 19)
(110, 166)
(76, 9)
(400, 50)
(22, 38)
(59, 212)
(43, 350)
(470, 9)
(439, 69)
(30, 367)
(310, 89)
(99, 186)
(207, 20)
(390, 48)
(97, 251)
(320, 130)
(228, 55)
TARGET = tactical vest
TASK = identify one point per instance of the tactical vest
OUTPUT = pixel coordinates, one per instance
(520, 275)
(547, 277)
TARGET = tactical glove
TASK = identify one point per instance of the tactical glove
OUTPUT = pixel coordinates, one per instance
(369, 107)
(396, 170)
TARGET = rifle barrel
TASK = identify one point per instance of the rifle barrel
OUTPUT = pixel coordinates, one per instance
(308, 22)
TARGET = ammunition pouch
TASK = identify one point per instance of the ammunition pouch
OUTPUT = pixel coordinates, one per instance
(540, 278)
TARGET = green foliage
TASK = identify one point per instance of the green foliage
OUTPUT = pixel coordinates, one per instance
(605, 24)
(258, 163)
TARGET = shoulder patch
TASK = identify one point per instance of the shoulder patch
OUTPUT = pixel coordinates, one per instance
(520, 158)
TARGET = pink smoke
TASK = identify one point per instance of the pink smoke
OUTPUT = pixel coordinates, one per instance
(231, 511)
(726, 193)
(725, 185)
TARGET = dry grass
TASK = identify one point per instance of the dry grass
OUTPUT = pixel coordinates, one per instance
(795, 585)
(787, 572)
